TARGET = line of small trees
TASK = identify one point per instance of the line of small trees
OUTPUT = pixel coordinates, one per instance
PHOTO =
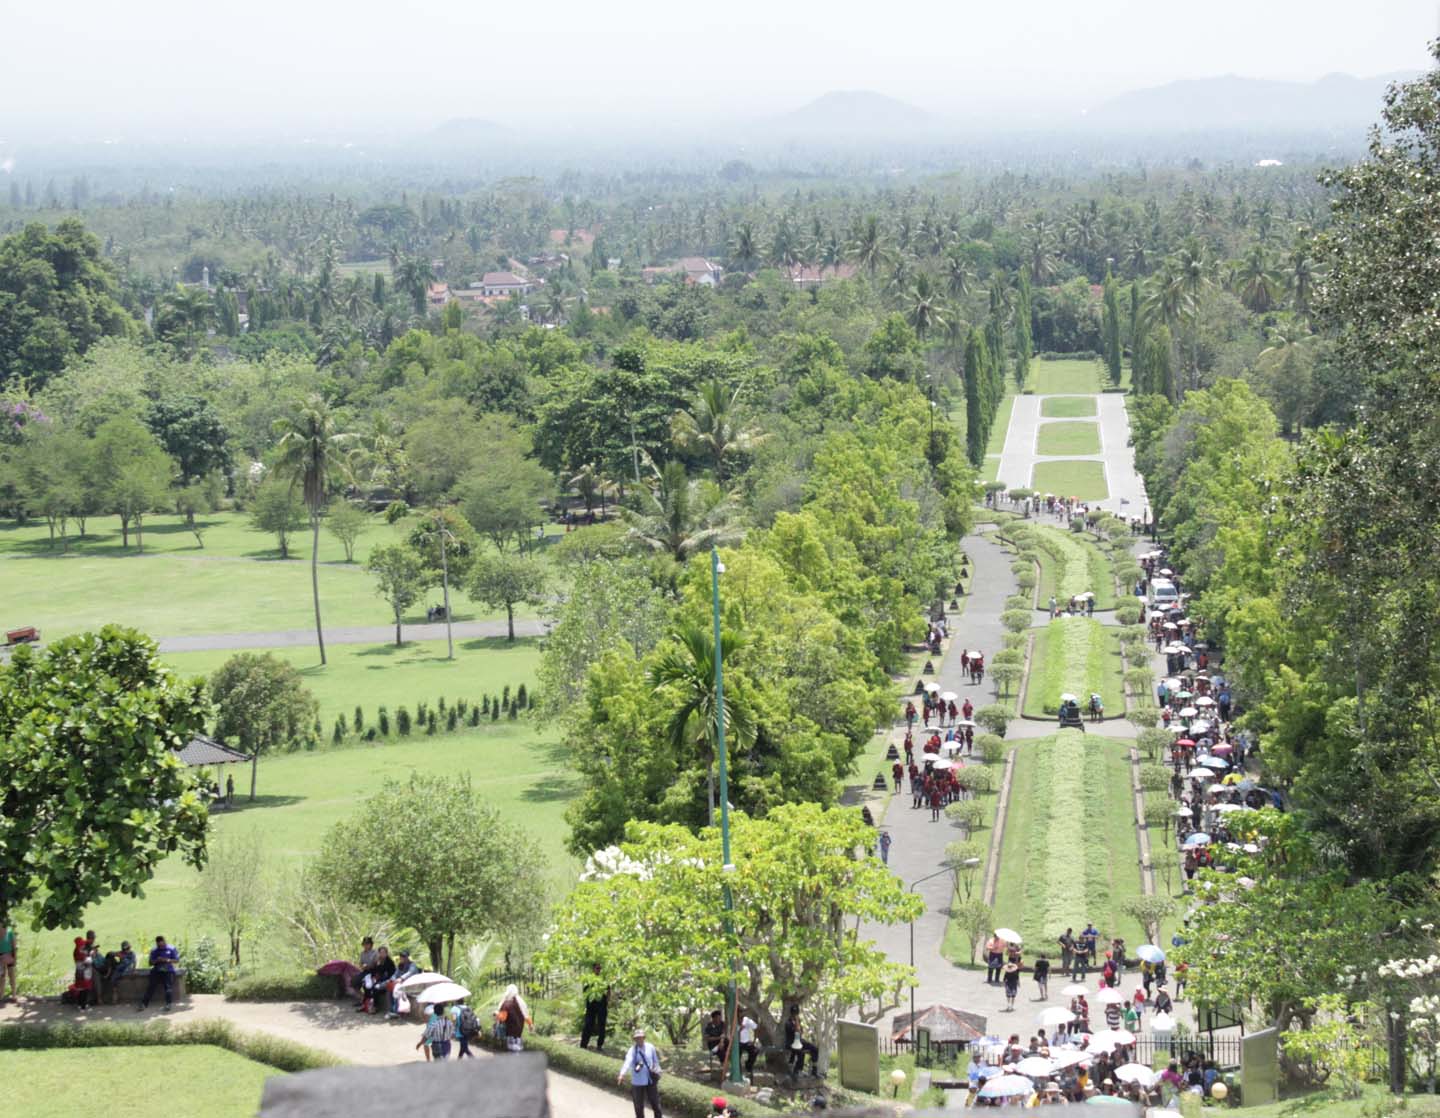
(429, 720)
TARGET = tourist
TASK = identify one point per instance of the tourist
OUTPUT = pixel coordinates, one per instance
(466, 1025)
(514, 1014)
(597, 1014)
(897, 771)
(1042, 976)
(885, 841)
(1012, 985)
(716, 1037)
(935, 802)
(163, 958)
(994, 959)
(119, 962)
(438, 1031)
(368, 956)
(8, 944)
(404, 969)
(1067, 950)
(642, 1062)
(797, 1046)
(374, 978)
(1171, 1083)
(746, 1040)
(1163, 1004)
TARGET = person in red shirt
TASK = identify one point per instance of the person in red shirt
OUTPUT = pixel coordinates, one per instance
(935, 803)
(897, 770)
(968, 709)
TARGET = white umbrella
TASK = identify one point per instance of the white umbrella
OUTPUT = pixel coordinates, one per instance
(1068, 698)
(1188, 712)
(1006, 1086)
(1215, 789)
(943, 765)
(1110, 996)
(1181, 812)
(1009, 935)
(1251, 848)
(1087, 595)
(968, 723)
(1055, 1015)
(949, 696)
(934, 730)
(421, 980)
(1137, 1073)
(1069, 1058)
(1210, 765)
(1162, 1023)
(1112, 1037)
(972, 655)
(951, 747)
(1074, 990)
(932, 687)
(1150, 953)
(444, 992)
(1034, 1066)
(1200, 725)
(1226, 809)
(1204, 701)
(1171, 683)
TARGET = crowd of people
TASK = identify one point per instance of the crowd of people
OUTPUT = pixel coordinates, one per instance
(96, 968)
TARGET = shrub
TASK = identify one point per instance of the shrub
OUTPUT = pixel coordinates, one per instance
(1006, 676)
(1017, 601)
(1154, 778)
(505, 694)
(993, 718)
(384, 720)
(1154, 742)
(522, 698)
(1127, 614)
(977, 778)
(359, 718)
(1008, 656)
(515, 709)
(495, 711)
(207, 969)
(1139, 680)
(430, 724)
(452, 719)
(1015, 620)
(485, 706)
(339, 735)
(992, 748)
(371, 734)
(968, 813)
(267, 987)
(402, 722)
(474, 716)
(1026, 580)
(441, 704)
(1014, 640)
(284, 1055)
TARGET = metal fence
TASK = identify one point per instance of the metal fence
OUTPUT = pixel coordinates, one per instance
(532, 983)
(1223, 1050)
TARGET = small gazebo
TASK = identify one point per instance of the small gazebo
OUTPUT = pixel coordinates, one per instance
(950, 1029)
(202, 752)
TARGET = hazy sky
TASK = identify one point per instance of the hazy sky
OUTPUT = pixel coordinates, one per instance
(274, 66)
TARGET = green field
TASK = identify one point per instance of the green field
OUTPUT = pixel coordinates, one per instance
(1065, 377)
(1068, 437)
(381, 674)
(1076, 655)
(1067, 407)
(186, 1081)
(1071, 564)
(1070, 853)
(520, 768)
(1071, 477)
(234, 585)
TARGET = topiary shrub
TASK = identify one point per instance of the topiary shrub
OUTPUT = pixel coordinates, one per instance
(1015, 620)
(384, 719)
(402, 722)
(992, 748)
(970, 814)
(1017, 601)
(978, 778)
(1127, 614)
(994, 719)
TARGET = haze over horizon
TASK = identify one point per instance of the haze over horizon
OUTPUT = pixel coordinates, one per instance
(161, 68)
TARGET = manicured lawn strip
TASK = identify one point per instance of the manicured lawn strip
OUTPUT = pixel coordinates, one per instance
(1067, 407)
(1112, 857)
(1071, 564)
(1064, 377)
(956, 946)
(193, 1081)
(1076, 655)
(520, 768)
(1002, 419)
(990, 471)
(1066, 477)
(1070, 436)
(376, 675)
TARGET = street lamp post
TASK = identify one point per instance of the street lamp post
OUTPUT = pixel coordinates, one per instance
(717, 568)
(444, 533)
(911, 889)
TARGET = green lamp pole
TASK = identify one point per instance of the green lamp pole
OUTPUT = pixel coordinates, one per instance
(727, 867)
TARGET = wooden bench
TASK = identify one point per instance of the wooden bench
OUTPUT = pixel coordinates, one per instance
(130, 987)
(27, 635)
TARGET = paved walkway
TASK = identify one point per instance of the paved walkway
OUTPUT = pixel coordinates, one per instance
(331, 1026)
(365, 634)
(1017, 460)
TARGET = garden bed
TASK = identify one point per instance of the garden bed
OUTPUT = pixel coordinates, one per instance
(1075, 655)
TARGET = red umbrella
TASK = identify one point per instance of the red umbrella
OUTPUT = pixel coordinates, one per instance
(339, 966)
(1184, 742)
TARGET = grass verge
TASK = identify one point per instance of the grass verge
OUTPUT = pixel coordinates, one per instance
(1076, 655)
(1068, 477)
(1067, 407)
(1064, 377)
(1072, 436)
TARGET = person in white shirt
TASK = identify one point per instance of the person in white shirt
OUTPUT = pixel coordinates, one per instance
(747, 1043)
(642, 1062)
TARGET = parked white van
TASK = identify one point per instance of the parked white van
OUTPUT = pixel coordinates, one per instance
(1163, 593)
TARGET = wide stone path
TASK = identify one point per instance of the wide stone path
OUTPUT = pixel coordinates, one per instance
(363, 634)
(1017, 461)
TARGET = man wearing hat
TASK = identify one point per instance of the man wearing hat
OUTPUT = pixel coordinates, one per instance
(405, 969)
(642, 1063)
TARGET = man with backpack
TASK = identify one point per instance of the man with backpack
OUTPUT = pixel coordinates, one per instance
(467, 1025)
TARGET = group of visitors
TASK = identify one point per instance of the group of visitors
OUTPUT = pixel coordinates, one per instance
(379, 979)
(1076, 1072)
(94, 966)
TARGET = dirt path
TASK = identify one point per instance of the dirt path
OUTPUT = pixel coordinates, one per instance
(332, 1026)
(364, 634)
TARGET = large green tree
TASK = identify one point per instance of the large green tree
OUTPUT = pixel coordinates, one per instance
(94, 797)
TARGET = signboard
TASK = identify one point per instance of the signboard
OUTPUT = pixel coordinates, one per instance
(1210, 1019)
(1260, 1067)
(859, 1046)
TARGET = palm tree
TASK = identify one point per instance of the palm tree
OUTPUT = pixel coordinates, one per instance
(193, 309)
(1300, 280)
(413, 278)
(746, 250)
(688, 673)
(1255, 283)
(832, 255)
(679, 516)
(1040, 249)
(867, 245)
(958, 276)
(311, 453)
(714, 426)
(925, 306)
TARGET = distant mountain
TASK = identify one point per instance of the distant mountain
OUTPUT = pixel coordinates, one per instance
(468, 129)
(1336, 102)
(856, 110)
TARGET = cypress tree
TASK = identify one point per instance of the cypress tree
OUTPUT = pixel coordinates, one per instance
(974, 401)
(359, 719)
(452, 719)
(520, 698)
(339, 735)
(384, 719)
(1024, 337)
(485, 706)
(402, 722)
(1110, 328)
(494, 712)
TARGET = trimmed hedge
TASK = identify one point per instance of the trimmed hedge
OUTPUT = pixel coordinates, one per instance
(1127, 614)
(678, 1096)
(281, 988)
(275, 1052)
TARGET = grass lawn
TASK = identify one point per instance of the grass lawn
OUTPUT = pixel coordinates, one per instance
(1076, 655)
(518, 767)
(1068, 437)
(1064, 378)
(1070, 853)
(190, 1081)
(1067, 407)
(1072, 564)
(1002, 420)
(234, 585)
(383, 675)
(1068, 477)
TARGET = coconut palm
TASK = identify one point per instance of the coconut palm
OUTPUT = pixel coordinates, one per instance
(1255, 283)
(1039, 249)
(746, 248)
(867, 245)
(680, 516)
(958, 276)
(311, 454)
(714, 426)
(413, 277)
(1300, 279)
(686, 672)
(925, 307)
